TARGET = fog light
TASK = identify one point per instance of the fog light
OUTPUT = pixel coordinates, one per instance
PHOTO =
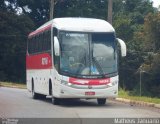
(62, 91)
(115, 92)
(66, 83)
(114, 83)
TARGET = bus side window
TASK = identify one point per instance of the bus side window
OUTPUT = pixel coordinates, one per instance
(35, 44)
(28, 43)
(39, 43)
(49, 40)
(32, 47)
(45, 41)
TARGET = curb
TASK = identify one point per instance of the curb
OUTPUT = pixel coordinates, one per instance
(157, 106)
(141, 103)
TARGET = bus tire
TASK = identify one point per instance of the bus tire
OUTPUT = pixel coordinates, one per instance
(50, 87)
(34, 95)
(55, 101)
(101, 101)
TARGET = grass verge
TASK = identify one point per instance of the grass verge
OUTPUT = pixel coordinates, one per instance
(125, 94)
(13, 85)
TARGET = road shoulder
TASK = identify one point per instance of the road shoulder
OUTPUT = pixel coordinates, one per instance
(135, 102)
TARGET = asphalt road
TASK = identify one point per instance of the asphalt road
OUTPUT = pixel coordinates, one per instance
(17, 103)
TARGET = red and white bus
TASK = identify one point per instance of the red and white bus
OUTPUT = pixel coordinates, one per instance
(73, 58)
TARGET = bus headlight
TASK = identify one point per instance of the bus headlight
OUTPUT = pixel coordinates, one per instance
(65, 83)
(112, 84)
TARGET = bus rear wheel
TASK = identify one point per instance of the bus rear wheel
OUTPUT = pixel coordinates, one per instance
(34, 95)
(101, 101)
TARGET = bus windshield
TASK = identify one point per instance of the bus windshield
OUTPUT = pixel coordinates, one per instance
(87, 54)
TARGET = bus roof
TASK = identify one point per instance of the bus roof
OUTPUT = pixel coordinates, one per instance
(76, 24)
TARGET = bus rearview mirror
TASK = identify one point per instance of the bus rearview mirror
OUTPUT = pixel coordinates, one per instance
(123, 47)
(56, 47)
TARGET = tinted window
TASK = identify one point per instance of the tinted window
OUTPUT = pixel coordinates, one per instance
(40, 43)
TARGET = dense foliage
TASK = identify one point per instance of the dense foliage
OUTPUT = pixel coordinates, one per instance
(135, 21)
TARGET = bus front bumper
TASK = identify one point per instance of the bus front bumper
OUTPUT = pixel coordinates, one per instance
(70, 92)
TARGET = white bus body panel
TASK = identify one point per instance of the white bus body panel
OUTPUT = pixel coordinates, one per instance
(40, 79)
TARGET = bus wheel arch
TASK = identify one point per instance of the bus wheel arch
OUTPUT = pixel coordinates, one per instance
(34, 95)
(55, 101)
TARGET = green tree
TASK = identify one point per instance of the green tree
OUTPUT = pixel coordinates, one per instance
(128, 22)
(13, 36)
(149, 40)
(39, 10)
(151, 32)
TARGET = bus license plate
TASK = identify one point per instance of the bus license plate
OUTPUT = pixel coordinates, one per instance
(89, 93)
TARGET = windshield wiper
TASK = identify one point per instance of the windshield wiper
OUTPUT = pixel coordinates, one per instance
(99, 68)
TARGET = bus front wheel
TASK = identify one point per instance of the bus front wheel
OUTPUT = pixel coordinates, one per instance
(55, 101)
(101, 101)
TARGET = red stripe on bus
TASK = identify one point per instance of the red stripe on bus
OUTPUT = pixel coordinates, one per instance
(89, 81)
(40, 30)
(40, 61)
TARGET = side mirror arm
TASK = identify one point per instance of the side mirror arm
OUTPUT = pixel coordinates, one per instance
(123, 47)
(56, 47)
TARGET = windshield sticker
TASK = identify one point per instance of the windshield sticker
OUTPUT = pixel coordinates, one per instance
(74, 35)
